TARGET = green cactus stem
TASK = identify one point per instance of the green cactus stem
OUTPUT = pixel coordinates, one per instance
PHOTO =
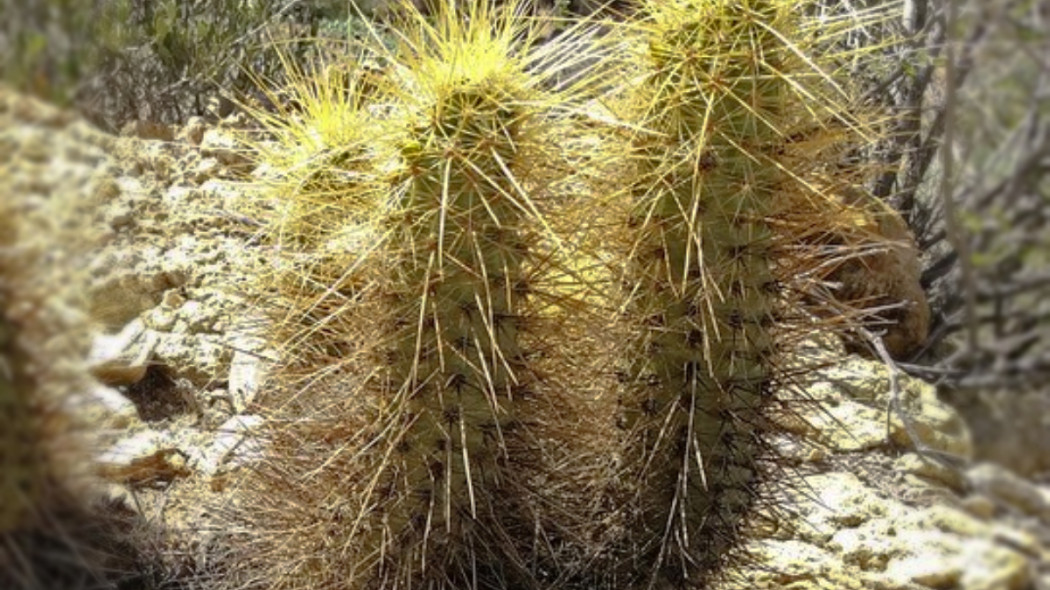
(724, 89)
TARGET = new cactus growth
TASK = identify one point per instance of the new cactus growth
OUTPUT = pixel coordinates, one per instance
(319, 146)
(713, 243)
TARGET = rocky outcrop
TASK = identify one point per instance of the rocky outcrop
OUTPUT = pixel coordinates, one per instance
(888, 498)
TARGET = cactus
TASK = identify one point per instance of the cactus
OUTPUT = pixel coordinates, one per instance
(22, 463)
(51, 533)
(461, 244)
(715, 241)
(318, 146)
(408, 460)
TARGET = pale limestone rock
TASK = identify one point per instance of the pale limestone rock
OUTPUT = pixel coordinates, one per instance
(871, 522)
(992, 567)
(247, 373)
(226, 195)
(193, 131)
(107, 410)
(931, 469)
(172, 300)
(1001, 484)
(849, 426)
(980, 506)
(234, 445)
(838, 500)
(205, 169)
(926, 571)
(122, 359)
(190, 319)
(146, 458)
(199, 358)
(901, 545)
(148, 130)
(867, 384)
(159, 318)
(221, 145)
(946, 519)
(796, 565)
(939, 428)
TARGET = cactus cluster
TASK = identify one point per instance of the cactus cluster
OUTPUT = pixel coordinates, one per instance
(514, 359)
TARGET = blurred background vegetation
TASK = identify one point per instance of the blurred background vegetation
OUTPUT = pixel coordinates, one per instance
(117, 61)
(967, 168)
(966, 165)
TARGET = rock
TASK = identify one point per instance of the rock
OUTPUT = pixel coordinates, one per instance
(193, 131)
(935, 425)
(107, 190)
(147, 130)
(795, 565)
(980, 506)
(228, 196)
(936, 547)
(199, 358)
(790, 564)
(840, 500)
(988, 567)
(119, 217)
(999, 483)
(853, 378)
(206, 169)
(172, 299)
(221, 145)
(234, 445)
(930, 469)
(945, 519)
(849, 426)
(855, 397)
(107, 409)
(247, 373)
(122, 359)
(159, 318)
(928, 572)
(124, 289)
(146, 458)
